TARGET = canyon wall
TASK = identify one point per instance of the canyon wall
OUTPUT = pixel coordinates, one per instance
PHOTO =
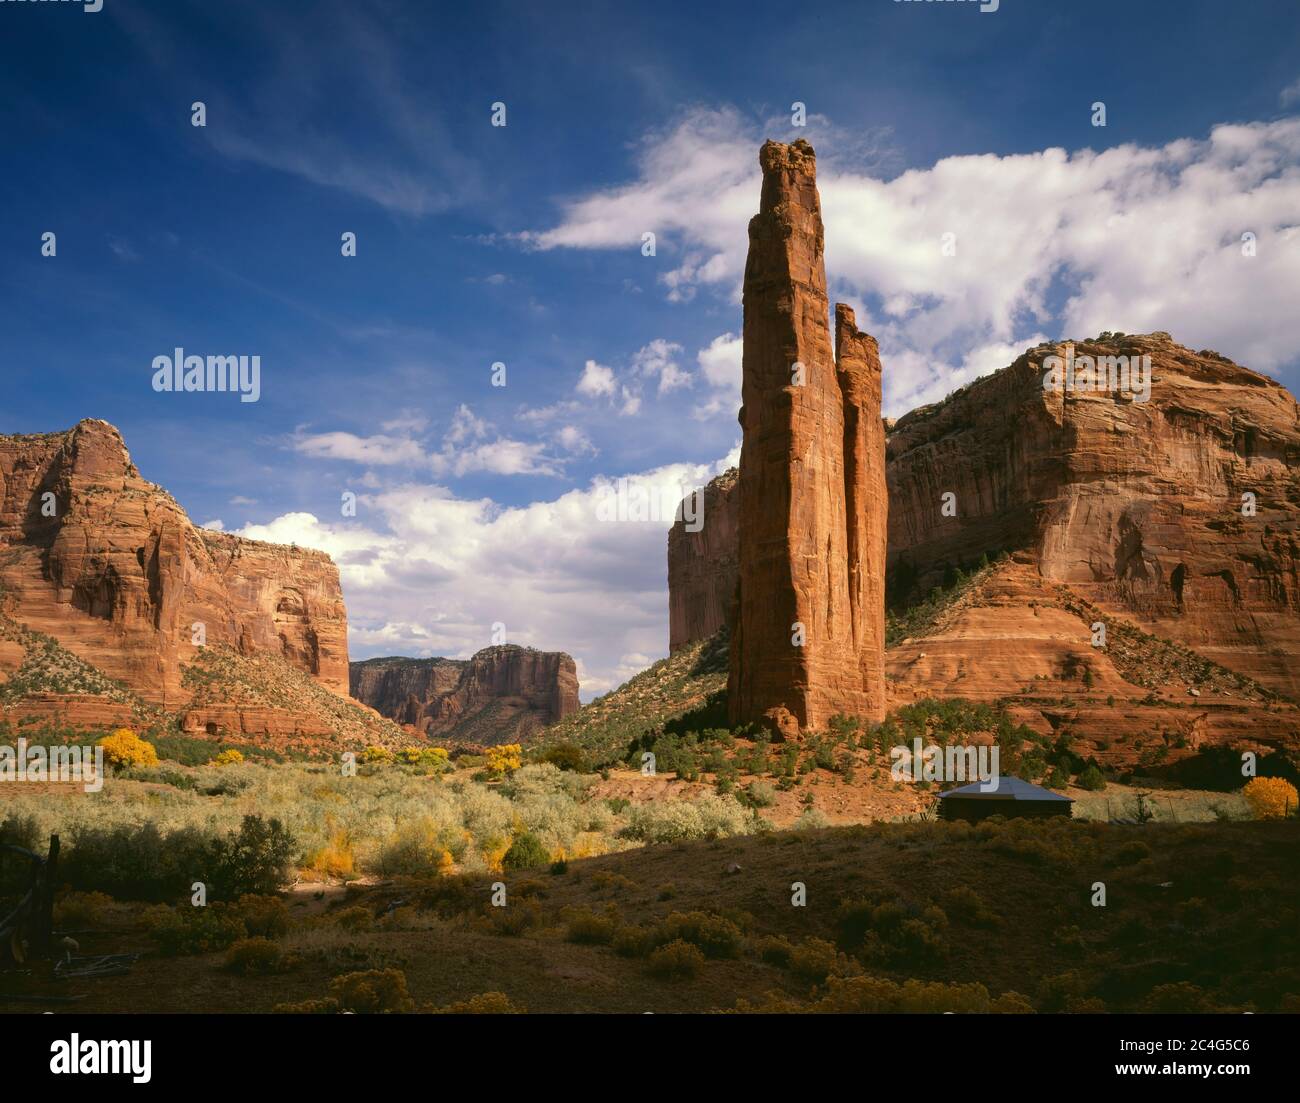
(110, 565)
(811, 589)
(1136, 505)
(703, 566)
(500, 695)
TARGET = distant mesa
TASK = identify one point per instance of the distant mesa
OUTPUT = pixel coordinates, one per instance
(502, 694)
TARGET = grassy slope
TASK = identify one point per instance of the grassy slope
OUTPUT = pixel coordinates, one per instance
(1217, 907)
(692, 680)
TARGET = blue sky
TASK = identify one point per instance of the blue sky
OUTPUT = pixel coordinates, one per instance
(521, 244)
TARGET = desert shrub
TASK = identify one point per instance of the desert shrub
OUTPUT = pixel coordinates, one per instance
(565, 756)
(139, 862)
(891, 929)
(135, 861)
(1270, 797)
(676, 960)
(526, 851)
(228, 757)
(1063, 990)
(967, 906)
(715, 936)
(377, 756)
(811, 819)
(124, 749)
(421, 847)
(1092, 778)
(427, 758)
(195, 930)
(1179, 997)
(335, 857)
(815, 959)
(254, 859)
(632, 941)
(759, 794)
(264, 916)
(710, 817)
(326, 1006)
(1130, 854)
(77, 909)
(354, 919)
(514, 920)
(372, 992)
(504, 758)
(255, 957)
(589, 929)
(448, 896)
(229, 783)
(871, 994)
(486, 1003)
(774, 950)
(23, 831)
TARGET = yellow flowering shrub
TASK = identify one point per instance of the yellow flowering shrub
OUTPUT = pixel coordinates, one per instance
(124, 748)
(1270, 798)
(504, 758)
(230, 757)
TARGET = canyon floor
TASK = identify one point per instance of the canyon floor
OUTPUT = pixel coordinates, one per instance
(927, 916)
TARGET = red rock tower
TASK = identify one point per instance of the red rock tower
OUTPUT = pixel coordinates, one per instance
(808, 641)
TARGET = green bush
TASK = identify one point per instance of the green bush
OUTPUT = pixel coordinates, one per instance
(567, 756)
(196, 930)
(139, 862)
(1092, 778)
(255, 859)
(526, 851)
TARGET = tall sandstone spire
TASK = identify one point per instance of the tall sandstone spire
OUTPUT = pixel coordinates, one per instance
(808, 639)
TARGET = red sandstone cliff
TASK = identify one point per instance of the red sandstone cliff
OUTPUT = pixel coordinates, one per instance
(811, 589)
(120, 576)
(501, 695)
(702, 566)
(1116, 511)
(1136, 506)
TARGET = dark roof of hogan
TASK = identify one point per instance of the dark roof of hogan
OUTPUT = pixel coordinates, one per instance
(1008, 788)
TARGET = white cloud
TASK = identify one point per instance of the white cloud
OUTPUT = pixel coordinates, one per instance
(427, 573)
(574, 440)
(658, 360)
(720, 367)
(596, 380)
(378, 449)
(1064, 244)
(408, 421)
(1290, 94)
(470, 444)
